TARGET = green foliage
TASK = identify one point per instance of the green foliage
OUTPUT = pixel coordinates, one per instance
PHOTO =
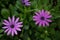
(30, 31)
(5, 13)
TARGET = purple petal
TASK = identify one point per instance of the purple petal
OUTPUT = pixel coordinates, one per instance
(6, 21)
(48, 20)
(8, 33)
(13, 18)
(9, 19)
(42, 11)
(4, 27)
(35, 19)
(6, 30)
(19, 26)
(17, 20)
(37, 14)
(49, 16)
(18, 29)
(27, 3)
(43, 24)
(47, 12)
(47, 23)
(15, 31)
(19, 23)
(40, 23)
(12, 33)
(37, 22)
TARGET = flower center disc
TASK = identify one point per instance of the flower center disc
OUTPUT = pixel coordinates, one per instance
(42, 18)
(12, 26)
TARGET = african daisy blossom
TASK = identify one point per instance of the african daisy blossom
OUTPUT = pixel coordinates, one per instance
(12, 25)
(26, 2)
(42, 18)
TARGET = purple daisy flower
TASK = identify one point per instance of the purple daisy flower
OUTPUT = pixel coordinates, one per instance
(42, 18)
(12, 26)
(26, 2)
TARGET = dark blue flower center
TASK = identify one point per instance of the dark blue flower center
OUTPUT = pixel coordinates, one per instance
(12, 26)
(42, 18)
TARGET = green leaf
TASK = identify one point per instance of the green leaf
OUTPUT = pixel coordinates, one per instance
(28, 38)
(47, 38)
(57, 35)
(46, 2)
(13, 10)
(26, 27)
(1, 31)
(5, 13)
(1, 35)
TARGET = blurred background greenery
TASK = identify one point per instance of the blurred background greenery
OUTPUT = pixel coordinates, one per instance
(30, 31)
